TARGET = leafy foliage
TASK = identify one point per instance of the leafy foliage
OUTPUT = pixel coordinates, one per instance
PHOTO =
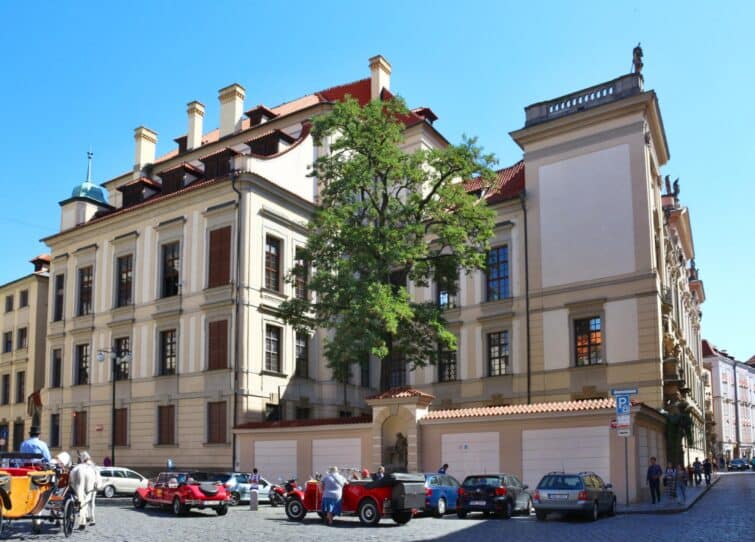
(386, 217)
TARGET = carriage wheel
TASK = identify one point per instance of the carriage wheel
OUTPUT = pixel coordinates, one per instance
(69, 517)
(36, 526)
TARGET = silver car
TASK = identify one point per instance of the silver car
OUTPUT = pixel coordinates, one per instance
(117, 480)
(584, 493)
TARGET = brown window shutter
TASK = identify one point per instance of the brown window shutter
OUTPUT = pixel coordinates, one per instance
(80, 427)
(220, 257)
(216, 416)
(121, 427)
(166, 424)
(218, 345)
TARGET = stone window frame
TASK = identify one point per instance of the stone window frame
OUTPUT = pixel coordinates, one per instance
(159, 331)
(281, 347)
(580, 311)
(170, 231)
(77, 363)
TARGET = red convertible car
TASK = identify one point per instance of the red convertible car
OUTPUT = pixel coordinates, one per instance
(181, 492)
(398, 496)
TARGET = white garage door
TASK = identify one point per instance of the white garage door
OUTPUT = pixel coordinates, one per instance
(469, 453)
(275, 459)
(568, 449)
(341, 452)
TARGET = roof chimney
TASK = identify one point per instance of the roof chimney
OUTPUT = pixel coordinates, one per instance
(380, 76)
(195, 111)
(146, 141)
(231, 108)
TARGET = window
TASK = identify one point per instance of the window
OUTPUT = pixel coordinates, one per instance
(272, 263)
(4, 431)
(8, 303)
(302, 413)
(20, 386)
(56, 377)
(60, 284)
(18, 434)
(7, 342)
(396, 371)
(220, 257)
(302, 275)
(272, 412)
(124, 280)
(166, 424)
(168, 352)
(498, 353)
(302, 355)
(120, 430)
(216, 421)
(344, 414)
(272, 348)
(497, 274)
(79, 435)
(85, 291)
(22, 339)
(446, 291)
(217, 355)
(446, 365)
(171, 269)
(5, 399)
(23, 299)
(82, 364)
(587, 341)
(122, 350)
(55, 431)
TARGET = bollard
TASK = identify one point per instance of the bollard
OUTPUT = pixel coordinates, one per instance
(253, 499)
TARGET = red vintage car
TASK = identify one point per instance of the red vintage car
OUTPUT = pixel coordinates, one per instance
(182, 493)
(397, 495)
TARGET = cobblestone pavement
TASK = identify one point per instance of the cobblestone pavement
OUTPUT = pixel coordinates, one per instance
(724, 513)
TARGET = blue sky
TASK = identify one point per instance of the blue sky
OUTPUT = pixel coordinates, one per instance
(76, 75)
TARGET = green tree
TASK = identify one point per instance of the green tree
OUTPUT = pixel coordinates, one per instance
(386, 217)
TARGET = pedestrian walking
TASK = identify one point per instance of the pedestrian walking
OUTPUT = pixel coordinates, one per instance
(707, 469)
(332, 492)
(681, 484)
(669, 481)
(690, 475)
(655, 472)
(697, 467)
(443, 469)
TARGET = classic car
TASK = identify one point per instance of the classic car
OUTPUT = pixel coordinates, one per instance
(181, 492)
(397, 495)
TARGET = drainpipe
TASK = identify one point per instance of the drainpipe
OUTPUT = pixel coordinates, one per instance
(522, 200)
(237, 326)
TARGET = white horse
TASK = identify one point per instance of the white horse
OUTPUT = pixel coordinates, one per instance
(85, 480)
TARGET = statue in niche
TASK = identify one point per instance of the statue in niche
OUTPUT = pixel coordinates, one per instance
(400, 452)
(637, 59)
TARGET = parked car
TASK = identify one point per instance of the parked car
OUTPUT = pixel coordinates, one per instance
(738, 464)
(181, 492)
(119, 480)
(583, 493)
(238, 484)
(501, 494)
(441, 492)
(398, 496)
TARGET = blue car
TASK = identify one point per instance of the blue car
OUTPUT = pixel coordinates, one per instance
(441, 492)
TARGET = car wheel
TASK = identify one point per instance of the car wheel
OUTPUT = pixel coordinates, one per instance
(528, 509)
(461, 513)
(612, 510)
(295, 510)
(222, 510)
(109, 492)
(177, 508)
(368, 512)
(594, 514)
(440, 510)
(235, 498)
(541, 515)
(137, 501)
(402, 517)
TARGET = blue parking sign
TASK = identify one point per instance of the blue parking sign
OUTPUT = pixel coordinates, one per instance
(623, 404)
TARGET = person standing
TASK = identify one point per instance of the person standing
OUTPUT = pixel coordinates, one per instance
(654, 480)
(681, 484)
(707, 469)
(669, 481)
(35, 445)
(332, 492)
(443, 469)
(254, 479)
(697, 468)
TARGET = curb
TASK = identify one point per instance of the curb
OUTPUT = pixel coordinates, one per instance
(676, 510)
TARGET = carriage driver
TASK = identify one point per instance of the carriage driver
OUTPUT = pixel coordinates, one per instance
(35, 445)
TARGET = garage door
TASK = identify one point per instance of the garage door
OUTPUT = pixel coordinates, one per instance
(470, 453)
(275, 459)
(568, 449)
(341, 452)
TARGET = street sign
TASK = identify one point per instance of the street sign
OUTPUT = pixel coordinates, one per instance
(623, 391)
(614, 424)
(624, 431)
(623, 404)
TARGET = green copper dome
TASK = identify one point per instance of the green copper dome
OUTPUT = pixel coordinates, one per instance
(89, 190)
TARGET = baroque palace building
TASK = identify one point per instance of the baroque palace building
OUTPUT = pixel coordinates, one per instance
(590, 285)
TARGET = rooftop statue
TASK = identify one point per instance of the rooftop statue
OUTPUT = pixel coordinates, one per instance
(637, 59)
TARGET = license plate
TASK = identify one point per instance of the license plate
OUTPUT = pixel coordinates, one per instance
(211, 503)
(477, 503)
(558, 496)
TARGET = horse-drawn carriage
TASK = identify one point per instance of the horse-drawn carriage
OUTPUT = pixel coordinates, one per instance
(36, 491)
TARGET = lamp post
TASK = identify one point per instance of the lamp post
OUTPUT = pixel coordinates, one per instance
(116, 357)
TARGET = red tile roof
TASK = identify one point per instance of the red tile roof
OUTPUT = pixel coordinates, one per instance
(403, 392)
(41, 257)
(708, 349)
(366, 418)
(509, 183)
(536, 408)
(141, 180)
